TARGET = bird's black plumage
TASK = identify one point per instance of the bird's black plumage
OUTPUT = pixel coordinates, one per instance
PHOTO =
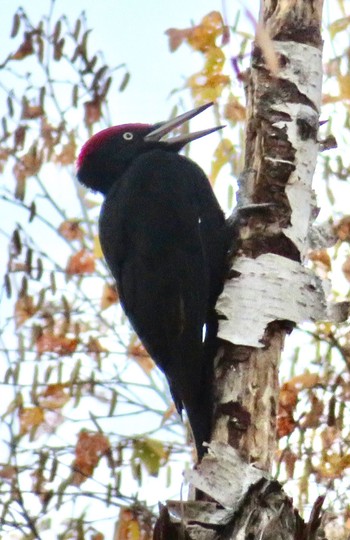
(164, 238)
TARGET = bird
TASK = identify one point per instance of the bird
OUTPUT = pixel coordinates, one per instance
(165, 238)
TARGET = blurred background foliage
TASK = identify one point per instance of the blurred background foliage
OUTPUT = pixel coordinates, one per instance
(90, 440)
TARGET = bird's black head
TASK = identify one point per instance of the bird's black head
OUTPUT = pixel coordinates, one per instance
(104, 157)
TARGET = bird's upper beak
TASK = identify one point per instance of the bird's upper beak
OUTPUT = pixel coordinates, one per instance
(179, 141)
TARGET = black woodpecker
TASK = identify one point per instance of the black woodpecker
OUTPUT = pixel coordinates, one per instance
(165, 240)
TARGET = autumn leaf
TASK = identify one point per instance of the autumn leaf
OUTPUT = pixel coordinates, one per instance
(68, 153)
(342, 229)
(313, 417)
(71, 230)
(151, 453)
(141, 356)
(24, 309)
(88, 452)
(8, 472)
(109, 296)
(338, 26)
(321, 258)
(92, 111)
(60, 345)
(82, 262)
(97, 249)
(94, 346)
(168, 413)
(128, 526)
(55, 396)
(30, 418)
(25, 49)
(303, 381)
(223, 154)
(234, 111)
(30, 112)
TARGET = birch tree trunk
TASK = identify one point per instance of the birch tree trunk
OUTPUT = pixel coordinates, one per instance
(267, 292)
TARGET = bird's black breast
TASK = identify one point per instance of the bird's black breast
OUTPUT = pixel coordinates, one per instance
(151, 238)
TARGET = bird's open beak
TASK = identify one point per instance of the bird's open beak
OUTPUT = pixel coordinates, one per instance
(179, 141)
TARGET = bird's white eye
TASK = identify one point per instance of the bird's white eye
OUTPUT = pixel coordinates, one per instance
(128, 136)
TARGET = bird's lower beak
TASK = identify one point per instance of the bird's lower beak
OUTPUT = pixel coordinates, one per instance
(179, 141)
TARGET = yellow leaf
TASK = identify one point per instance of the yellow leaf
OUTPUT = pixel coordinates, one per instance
(338, 26)
(29, 418)
(344, 86)
(222, 155)
(98, 253)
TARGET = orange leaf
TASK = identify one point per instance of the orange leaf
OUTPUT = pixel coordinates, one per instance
(141, 356)
(57, 344)
(82, 262)
(30, 418)
(109, 296)
(24, 309)
(285, 425)
(312, 418)
(234, 111)
(322, 258)
(25, 49)
(54, 396)
(71, 230)
(88, 452)
(342, 229)
(300, 382)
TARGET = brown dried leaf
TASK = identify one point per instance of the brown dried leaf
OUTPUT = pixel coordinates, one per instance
(68, 153)
(290, 460)
(71, 230)
(8, 472)
(57, 344)
(88, 452)
(342, 229)
(55, 396)
(141, 356)
(177, 37)
(82, 262)
(109, 296)
(94, 346)
(25, 49)
(19, 136)
(24, 309)
(234, 111)
(312, 418)
(30, 112)
(92, 111)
